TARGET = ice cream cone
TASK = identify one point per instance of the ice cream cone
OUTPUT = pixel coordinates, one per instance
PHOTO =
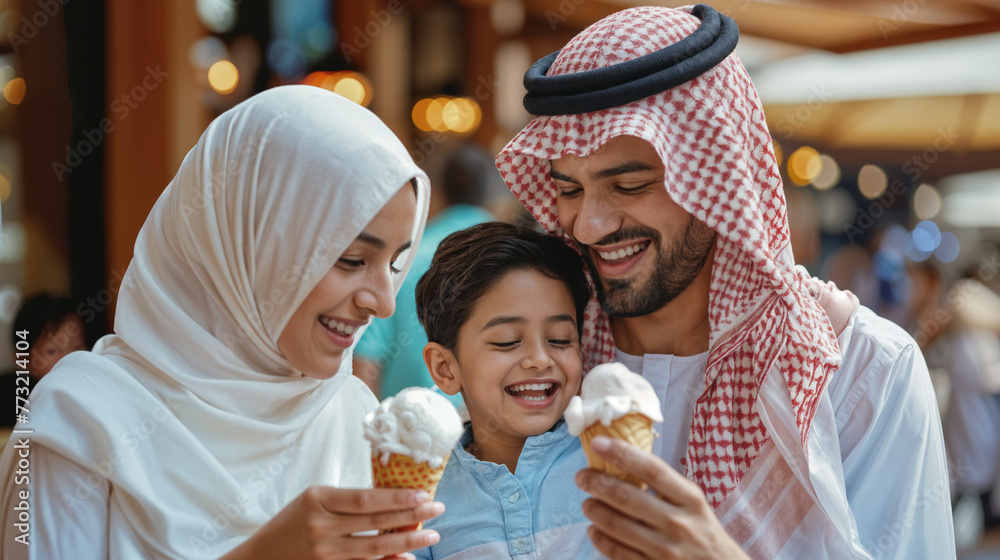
(402, 472)
(635, 428)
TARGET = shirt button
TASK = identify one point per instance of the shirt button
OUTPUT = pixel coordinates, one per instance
(479, 468)
(520, 543)
(516, 496)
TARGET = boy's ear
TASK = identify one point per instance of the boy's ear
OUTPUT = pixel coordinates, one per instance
(443, 367)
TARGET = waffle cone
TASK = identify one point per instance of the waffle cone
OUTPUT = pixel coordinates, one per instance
(402, 472)
(635, 428)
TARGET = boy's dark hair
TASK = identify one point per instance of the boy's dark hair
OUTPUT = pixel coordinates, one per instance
(469, 262)
(38, 312)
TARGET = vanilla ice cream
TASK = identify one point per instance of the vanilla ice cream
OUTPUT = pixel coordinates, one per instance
(609, 392)
(417, 423)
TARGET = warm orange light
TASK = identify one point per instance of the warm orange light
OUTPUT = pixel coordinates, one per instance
(804, 165)
(460, 115)
(223, 76)
(14, 91)
(4, 188)
(435, 118)
(419, 115)
(348, 83)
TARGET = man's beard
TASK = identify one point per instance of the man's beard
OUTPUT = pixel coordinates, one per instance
(674, 269)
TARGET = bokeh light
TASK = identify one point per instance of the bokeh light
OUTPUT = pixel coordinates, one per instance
(507, 16)
(14, 91)
(419, 114)
(829, 174)
(223, 76)
(948, 249)
(206, 51)
(348, 83)
(434, 118)
(872, 181)
(926, 236)
(285, 58)
(803, 166)
(5, 188)
(458, 115)
(926, 202)
(217, 15)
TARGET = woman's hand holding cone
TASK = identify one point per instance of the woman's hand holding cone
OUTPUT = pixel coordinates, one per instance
(320, 524)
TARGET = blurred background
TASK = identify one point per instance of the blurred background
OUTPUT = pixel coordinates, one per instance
(885, 116)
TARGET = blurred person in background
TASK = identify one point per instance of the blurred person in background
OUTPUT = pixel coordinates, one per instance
(389, 357)
(53, 328)
(972, 418)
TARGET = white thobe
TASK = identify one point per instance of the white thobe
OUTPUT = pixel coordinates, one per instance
(890, 443)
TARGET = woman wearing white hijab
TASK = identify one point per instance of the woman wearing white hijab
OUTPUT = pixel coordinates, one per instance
(204, 427)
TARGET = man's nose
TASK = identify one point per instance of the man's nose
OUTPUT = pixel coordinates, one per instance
(595, 220)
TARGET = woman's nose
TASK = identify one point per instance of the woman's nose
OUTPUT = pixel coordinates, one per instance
(377, 295)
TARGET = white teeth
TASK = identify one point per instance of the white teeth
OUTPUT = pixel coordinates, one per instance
(337, 326)
(531, 387)
(622, 253)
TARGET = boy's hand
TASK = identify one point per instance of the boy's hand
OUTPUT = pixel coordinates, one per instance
(630, 524)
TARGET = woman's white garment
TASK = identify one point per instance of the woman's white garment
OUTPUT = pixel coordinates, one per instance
(879, 415)
(188, 424)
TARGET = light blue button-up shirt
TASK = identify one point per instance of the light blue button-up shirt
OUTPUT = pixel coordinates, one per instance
(532, 514)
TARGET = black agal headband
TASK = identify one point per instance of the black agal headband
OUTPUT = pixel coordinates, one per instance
(632, 80)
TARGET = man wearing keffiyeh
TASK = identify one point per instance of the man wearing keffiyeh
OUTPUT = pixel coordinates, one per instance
(650, 153)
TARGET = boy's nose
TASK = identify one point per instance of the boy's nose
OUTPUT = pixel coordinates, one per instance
(537, 358)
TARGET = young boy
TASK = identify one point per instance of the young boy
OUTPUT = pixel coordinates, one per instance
(503, 310)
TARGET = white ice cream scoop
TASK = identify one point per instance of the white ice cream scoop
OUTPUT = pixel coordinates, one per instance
(418, 423)
(611, 391)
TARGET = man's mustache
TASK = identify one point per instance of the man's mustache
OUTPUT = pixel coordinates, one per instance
(622, 235)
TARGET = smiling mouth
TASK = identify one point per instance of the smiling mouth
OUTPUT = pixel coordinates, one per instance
(623, 254)
(536, 392)
(338, 327)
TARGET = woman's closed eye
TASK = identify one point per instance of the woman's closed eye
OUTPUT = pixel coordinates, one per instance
(506, 345)
(358, 263)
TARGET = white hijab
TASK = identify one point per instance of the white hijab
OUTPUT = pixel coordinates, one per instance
(261, 208)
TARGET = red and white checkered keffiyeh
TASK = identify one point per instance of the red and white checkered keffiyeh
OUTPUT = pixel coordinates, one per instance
(720, 167)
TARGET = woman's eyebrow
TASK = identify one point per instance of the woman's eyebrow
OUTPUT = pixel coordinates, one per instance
(378, 243)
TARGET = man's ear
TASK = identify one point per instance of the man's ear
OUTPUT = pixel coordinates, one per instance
(443, 366)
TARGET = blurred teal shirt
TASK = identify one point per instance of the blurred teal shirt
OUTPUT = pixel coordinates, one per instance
(397, 343)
